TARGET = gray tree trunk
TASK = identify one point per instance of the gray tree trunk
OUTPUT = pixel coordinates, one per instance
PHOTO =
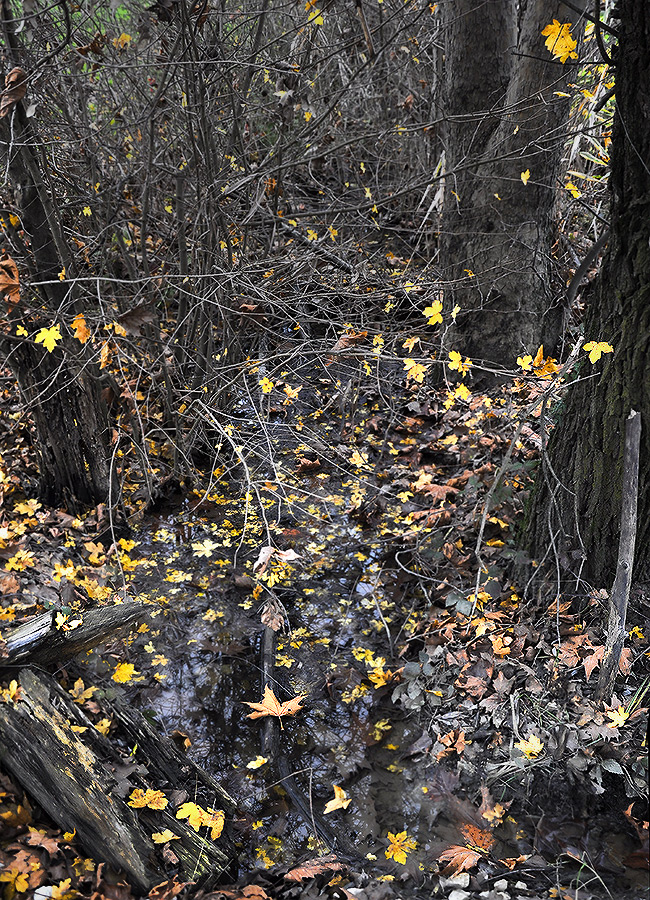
(506, 116)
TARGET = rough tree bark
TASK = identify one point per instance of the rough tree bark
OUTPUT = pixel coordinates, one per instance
(59, 389)
(506, 114)
(581, 508)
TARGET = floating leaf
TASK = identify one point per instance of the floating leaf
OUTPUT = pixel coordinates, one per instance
(271, 706)
(459, 859)
(340, 801)
(399, 846)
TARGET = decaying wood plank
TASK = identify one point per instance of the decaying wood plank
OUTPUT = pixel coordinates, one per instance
(40, 642)
(83, 783)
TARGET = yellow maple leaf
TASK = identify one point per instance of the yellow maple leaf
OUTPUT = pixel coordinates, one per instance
(155, 799)
(103, 726)
(596, 349)
(525, 362)
(618, 717)
(456, 363)
(525, 176)
(531, 748)
(415, 371)
(124, 673)
(49, 337)
(162, 837)
(409, 343)
(20, 561)
(340, 801)
(193, 813)
(266, 384)
(80, 693)
(399, 845)
(559, 41)
(433, 313)
(214, 819)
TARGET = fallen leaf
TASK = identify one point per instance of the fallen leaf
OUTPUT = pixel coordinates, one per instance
(340, 801)
(459, 859)
(9, 279)
(315, 867)
(271, 706)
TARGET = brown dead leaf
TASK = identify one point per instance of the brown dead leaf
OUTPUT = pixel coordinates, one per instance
(590, 662)
(168, 889)
(458, 859)
(9, 584)
(15, 87)
(272, 614)
(305, 465)
(344, 343)
(271, 706)
(41, 839)
(315, 867)
(9, 279)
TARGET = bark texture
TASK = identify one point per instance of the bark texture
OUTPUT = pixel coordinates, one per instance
(59, 390)
(504, 118)
(579, 511)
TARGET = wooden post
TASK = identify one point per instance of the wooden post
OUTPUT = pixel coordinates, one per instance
(623, 580)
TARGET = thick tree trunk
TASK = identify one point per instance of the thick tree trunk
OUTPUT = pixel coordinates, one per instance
(72, 434)
(497, 231)
(581, 510)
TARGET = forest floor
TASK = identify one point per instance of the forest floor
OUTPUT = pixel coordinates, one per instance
(448, 710)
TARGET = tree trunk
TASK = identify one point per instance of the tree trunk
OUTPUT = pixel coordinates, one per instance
(497, 231)
(581, 510)
(72, 435)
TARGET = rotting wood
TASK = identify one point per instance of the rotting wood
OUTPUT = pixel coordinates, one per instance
(83, 784)
(623, 579)
(39, 642)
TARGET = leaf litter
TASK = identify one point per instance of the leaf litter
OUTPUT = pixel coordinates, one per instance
(420, 690)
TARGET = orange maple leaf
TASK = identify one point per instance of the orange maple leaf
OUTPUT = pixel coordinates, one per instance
(271, 706)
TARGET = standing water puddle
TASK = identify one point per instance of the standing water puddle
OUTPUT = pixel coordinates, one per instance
(343, 621)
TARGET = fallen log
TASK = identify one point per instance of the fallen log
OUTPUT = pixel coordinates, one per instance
(78, 777)
(39, 641)
(84, 781)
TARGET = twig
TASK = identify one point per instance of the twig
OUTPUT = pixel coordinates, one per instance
(622, 582)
